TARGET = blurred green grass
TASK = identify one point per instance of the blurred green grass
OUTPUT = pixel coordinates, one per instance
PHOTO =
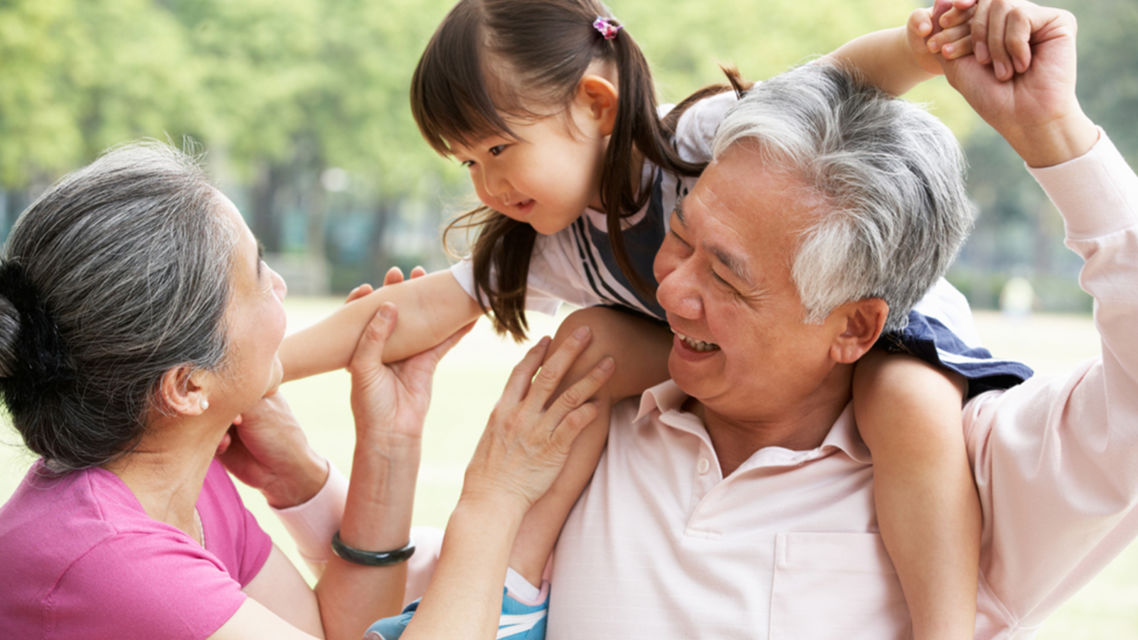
(471, 377)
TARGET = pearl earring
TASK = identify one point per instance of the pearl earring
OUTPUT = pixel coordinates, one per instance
(204, 404)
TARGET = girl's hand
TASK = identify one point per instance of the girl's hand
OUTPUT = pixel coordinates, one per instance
(528, 436)
(394, 275)
(389, 402)
(944, 30)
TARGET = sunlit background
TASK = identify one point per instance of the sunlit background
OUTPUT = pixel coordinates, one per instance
(301, 109)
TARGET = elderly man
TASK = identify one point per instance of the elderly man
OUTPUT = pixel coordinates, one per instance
(736, 500)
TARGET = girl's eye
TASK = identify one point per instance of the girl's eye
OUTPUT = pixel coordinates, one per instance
(497, 149)
(466, 164)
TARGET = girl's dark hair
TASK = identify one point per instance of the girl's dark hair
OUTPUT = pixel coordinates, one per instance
(119, 273)
(547, 47)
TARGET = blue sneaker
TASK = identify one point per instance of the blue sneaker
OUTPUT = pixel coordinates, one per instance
(518, 622)
(391, 628)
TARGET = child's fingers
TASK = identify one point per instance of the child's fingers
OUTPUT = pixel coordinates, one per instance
(921, 22)
(358, 292)
(955, 17)
(519, 382)
(394, 275)
(953, 43)
(418, 272)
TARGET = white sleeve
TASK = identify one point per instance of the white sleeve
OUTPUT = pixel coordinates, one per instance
(312, 523)
(538, 298)
(1056, 460)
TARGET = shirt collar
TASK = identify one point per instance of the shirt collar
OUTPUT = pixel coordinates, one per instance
(843, 435)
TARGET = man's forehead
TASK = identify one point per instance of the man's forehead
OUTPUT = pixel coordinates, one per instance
(706, 209)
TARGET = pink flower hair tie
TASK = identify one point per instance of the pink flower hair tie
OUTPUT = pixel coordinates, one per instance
(606, 27)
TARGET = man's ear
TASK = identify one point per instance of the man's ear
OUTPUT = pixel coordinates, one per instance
(861, 323)
(181, 391)
(599, 98)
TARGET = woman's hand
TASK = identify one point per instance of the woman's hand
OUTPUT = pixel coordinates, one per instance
(267, 450)
(389, 402)
(528, 436)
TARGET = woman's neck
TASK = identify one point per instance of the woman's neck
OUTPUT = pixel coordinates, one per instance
(167, 469)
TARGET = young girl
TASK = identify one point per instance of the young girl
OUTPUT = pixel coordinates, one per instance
(551, 107)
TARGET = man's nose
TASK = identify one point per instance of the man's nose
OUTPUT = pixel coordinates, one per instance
(678, 293)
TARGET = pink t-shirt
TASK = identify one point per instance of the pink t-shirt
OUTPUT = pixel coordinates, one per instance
(79, 558)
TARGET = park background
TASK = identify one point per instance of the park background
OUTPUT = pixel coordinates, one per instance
(301, 110)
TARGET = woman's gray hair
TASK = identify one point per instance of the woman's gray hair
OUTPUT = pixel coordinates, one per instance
(891, 175)
(129, 261)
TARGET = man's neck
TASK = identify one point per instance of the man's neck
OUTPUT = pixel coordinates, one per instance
(737, 435)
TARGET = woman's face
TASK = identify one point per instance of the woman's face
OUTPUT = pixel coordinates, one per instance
(255, 317)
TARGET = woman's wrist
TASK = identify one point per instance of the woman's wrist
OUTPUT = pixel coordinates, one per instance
(298, 481)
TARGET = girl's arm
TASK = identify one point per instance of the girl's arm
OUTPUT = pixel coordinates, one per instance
(895, 60)
(928, 511)
(431, 308)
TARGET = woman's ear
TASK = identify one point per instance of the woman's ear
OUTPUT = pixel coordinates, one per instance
(182, 391)
(599, 98)
(861, 324)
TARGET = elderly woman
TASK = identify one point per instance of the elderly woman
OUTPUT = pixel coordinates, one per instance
(137, 324)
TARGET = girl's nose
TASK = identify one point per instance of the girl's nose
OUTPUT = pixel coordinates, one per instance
(494, 183)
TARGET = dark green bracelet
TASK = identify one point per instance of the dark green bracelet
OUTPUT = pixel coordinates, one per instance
(371, 558)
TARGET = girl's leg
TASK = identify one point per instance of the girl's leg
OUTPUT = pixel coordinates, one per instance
(909, 415)
(640, 348)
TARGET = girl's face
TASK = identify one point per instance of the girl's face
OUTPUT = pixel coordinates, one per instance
(545, 177)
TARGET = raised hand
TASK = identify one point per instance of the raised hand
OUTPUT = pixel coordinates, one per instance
(529, 434)
(1022, 78)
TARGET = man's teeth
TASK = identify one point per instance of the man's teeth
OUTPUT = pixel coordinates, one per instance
(697, 345)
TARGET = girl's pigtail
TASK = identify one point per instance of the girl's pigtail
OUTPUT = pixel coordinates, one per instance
(637, 129)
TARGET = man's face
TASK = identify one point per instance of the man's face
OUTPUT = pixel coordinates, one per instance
(741, 347)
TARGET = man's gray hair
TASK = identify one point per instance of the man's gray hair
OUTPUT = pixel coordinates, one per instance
(891, 175)
(130, 261)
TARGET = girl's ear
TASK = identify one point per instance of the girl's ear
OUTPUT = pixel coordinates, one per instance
(181, 391)
(861, 324)
(598, 97)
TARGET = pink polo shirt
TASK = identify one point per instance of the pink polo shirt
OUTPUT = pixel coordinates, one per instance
(661, 545)
(79, 558)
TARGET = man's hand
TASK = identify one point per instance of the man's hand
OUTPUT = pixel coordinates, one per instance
(1022, 79)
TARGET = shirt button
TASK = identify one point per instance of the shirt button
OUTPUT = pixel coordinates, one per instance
(702, 466)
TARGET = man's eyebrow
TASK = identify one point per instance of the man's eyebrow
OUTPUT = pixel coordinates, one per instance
(734, 264)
